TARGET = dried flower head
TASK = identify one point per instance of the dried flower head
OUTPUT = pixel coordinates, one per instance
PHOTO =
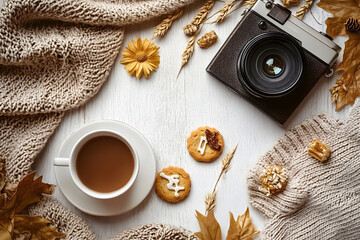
(273, 179)
(141, 57)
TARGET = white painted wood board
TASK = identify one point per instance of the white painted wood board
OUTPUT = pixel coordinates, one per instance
(166, 110)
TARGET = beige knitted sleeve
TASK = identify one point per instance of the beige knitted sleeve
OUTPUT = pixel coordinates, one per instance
(353, 123)
(64, 220)
(22, 138)
(155, 232)
(284, 153)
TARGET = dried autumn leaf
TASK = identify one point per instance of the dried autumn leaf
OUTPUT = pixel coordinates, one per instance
(2, 174)
(37, 227)
(30, 190)
(242, 228)
(210, 228)
(347, 87)
(6, 227)
(13, 199)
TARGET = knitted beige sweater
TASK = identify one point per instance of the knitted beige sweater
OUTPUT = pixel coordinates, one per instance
(54, 56)
(321, 200)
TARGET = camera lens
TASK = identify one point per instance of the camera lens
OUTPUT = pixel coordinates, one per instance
(271, 65)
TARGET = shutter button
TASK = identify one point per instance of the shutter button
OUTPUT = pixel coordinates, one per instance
(262, 25)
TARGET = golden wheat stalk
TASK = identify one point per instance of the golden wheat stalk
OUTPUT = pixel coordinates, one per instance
(210, 199)
(191, 28)
(224, 11)
(189, 50)
(165, 24)
(304, 9)
(249, 2)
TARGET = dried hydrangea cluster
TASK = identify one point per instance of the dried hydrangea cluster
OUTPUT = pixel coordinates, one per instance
(273, 179)
(319, 150)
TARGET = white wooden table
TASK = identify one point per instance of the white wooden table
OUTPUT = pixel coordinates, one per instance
(166, 110)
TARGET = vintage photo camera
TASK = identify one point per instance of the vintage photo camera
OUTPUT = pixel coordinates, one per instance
(273, 59)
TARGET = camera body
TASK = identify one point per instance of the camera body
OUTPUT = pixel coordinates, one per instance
(273, 59)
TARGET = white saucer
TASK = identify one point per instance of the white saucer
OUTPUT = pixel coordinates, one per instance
(129, 200)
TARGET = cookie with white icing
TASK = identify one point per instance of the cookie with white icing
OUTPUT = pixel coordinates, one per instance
(172, 184)
(205, 144)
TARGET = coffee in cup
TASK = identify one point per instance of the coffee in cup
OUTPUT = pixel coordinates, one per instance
(102, 164)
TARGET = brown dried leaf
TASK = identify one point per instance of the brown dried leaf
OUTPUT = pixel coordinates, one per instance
(210, 228)
(2, 174)
(38, 228)
(14, 198)
(30, 190)
(242, 228)
(6, 227)
(347, 88)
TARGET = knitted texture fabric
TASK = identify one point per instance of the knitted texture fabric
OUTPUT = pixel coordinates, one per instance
(64, 220)
(321, 199)
(155, 232)
(54, 56)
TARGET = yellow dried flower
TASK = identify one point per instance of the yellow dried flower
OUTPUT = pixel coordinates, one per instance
(141, 57)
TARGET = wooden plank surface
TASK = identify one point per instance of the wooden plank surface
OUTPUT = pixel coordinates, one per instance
(166, 110)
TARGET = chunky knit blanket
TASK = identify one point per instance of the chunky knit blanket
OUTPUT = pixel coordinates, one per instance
(156, 232)
(321, 199)
(54, 56)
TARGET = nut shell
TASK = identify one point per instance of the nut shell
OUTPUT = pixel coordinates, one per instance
(319, 150)
(207, 40)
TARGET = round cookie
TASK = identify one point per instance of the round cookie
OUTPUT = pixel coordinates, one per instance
(172, 184)
(210, 153)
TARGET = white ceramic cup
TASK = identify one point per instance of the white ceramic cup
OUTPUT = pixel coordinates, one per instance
(71, 163)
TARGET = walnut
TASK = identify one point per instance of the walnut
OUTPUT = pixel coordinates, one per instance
(273, 179)
(207, 40)
(289, 3)
(319, 150)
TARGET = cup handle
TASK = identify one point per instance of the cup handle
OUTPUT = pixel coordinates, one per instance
(61, 161)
